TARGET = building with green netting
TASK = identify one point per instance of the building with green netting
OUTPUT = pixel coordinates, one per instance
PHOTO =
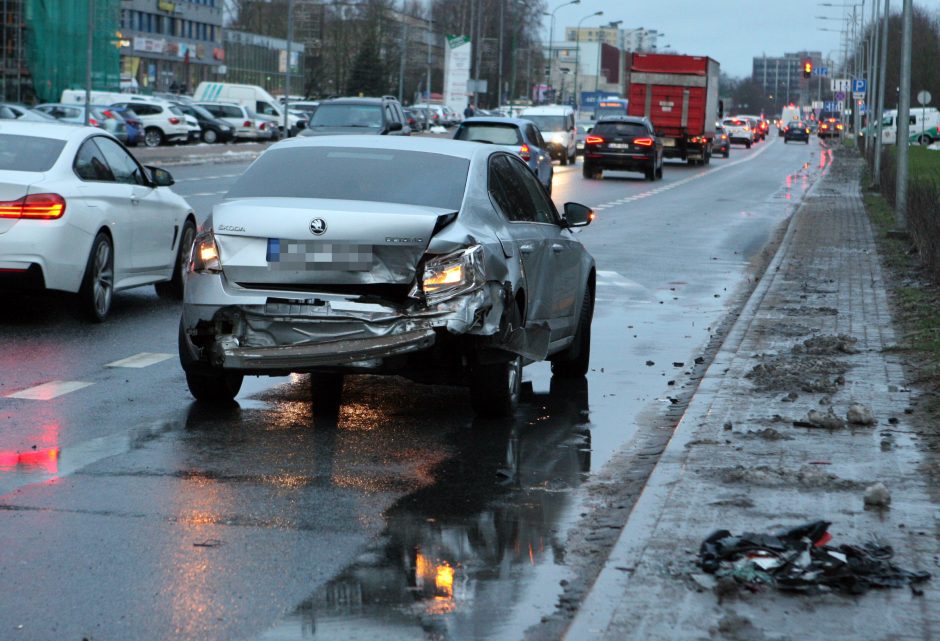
(45, 47)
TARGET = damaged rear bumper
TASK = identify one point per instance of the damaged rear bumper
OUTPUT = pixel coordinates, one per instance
(268, 332)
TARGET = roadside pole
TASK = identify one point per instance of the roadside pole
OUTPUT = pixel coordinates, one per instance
(88, 60)
(879, 109)
(290, 36)
(904, 112)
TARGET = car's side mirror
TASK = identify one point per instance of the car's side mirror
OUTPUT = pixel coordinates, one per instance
(394, 126)
(578, 215)
(161, 177)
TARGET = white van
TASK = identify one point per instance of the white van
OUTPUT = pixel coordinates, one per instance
(788, 115)
(922, 119)
(251, 96)
(556, 122)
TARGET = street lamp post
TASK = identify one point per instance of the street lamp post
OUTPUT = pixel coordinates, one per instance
(290, 36)
(577, 54)
(551, 39)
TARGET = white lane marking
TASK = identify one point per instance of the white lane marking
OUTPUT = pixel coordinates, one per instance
(679, 183)
(201, 178)
(50, 390)
(206, 193)
(144, 359)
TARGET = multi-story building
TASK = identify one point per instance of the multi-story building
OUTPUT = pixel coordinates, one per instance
(638, 39)
(253, 59)
(782, 77)
(171, 45)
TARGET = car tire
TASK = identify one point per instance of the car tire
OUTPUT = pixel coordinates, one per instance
(575, 360)
(173, 288)
(209, 136)
(659, 171)
(587, 170)
(650, 172)
(326, 393)
(153, 137)
(206, 383)
(573, 158)
(807, 140)
(785, 141)
(495, 388)
(748, 144)
(97, 290)
(564, 158)
(727, 152)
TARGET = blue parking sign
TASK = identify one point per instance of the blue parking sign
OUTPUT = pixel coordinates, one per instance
(859, 85)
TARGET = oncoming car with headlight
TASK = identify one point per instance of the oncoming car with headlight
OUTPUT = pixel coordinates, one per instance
(439, 260)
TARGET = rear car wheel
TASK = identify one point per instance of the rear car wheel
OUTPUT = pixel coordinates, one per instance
(206, 383)
(659, 171)
(748, 144)
(495, 387)
(153, 137)
(650, 172)
(576, 359)
(209, 136)
(326, 393)
(564, 157)
(173, 288)
(98, 284)
(727, 151)
(588, 171)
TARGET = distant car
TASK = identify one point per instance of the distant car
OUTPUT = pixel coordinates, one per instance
(238, 116)
(81, 215)
(414, 120)
(438, 260)
(135, 128)
(721, 144)
(739, 131)
(584, 127)
(268, 126)
(27, 114)
(308, 107)
(163, 122)
(623, 143)
(518, 135)
(830, 127)
(358, 116)
(211, 129)
(436, 115)
(101, 116)
(557, 126)
(796, 130)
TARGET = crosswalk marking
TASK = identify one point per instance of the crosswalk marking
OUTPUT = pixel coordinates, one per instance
(144, 359)
(50, 390)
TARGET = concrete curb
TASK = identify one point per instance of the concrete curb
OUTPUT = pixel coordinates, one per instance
(596, 610)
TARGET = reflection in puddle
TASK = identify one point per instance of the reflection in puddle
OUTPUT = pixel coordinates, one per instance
(480, 552)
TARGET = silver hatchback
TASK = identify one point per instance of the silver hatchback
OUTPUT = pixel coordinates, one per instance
(439, 260)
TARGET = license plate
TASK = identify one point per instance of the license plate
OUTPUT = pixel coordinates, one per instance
(669, 142)
(619, 145)
(298, 255)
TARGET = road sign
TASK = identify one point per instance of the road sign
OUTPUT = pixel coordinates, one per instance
(841, 84)
(840, 95)
(858, 95)
(924, 98)
(821, 72)
(859, 86)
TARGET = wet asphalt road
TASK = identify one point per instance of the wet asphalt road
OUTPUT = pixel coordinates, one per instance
(129, 512)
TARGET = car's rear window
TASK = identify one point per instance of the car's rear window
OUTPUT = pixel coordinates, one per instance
(28, 153)
(488, 132)
(374, 175)
(736, 122)
(620, 129)
(348, 115)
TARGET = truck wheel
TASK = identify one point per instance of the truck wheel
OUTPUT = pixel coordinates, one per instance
(564, 157)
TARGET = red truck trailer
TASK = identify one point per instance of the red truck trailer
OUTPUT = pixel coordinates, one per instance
(679, 94)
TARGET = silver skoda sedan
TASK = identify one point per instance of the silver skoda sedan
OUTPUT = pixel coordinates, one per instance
(439, 260)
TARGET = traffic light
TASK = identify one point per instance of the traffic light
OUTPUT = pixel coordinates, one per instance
(807, 68)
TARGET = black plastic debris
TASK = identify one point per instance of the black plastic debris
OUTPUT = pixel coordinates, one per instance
(799, 560)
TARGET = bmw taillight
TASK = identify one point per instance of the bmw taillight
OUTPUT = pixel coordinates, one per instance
(525, 153)
(174, 120)
(593, 140)
(92, 122)
(643, 142)
(34, 207)
(261, 127)
(108, 113)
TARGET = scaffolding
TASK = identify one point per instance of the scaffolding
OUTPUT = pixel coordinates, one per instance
(45, 43)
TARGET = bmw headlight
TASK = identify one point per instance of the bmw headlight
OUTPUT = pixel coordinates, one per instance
(453, 274)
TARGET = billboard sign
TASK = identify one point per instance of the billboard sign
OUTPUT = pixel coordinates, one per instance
(457, 56)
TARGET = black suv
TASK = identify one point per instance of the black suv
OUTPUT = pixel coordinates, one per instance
(623, 143)
(381, 116)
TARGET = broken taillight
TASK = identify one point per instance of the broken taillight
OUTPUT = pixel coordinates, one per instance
(34, 207)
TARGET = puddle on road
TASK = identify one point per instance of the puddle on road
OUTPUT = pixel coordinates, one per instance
(478, 554)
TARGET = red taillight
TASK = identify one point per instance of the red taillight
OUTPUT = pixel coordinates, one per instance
(92, 122)
(643, 142)
(525, 153)
(108, 113)
(247, 123)
(261, 127)
(593, 140)
(35, 207)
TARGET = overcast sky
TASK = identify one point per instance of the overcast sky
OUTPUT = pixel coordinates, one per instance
(714, 27)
